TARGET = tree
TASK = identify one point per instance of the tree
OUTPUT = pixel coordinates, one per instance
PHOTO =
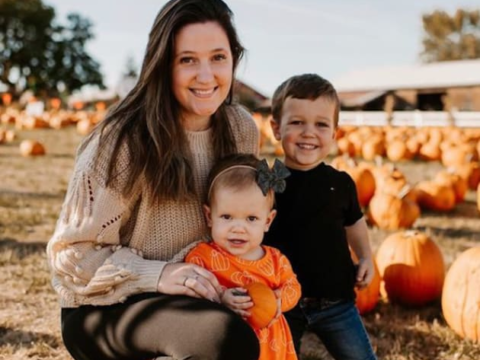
(451, 37)
(38, 54)
(131, 69)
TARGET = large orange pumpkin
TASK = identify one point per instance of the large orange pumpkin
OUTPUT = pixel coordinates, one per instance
(367, 298)
(264, 305)
(461, 295)
(412, 268)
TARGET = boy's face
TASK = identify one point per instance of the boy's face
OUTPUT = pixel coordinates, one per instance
(306, 130)
(239, 219)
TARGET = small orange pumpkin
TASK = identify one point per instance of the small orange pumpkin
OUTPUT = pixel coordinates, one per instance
(85, 126)
(397, 150)
(461, 295)
(264, 305)
(367, 298)
(31, 148)
(470, 172)
(478, 197)
(412, 268)
(393, 211)
(435, 196)
(455, 181)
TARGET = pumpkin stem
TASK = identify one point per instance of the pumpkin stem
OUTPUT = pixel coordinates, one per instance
(404, 191)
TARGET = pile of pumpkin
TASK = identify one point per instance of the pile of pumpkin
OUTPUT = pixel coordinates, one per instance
(393, 203)
(84, 121)
(55, 119)
(410, 271)
(409, 265)
(267, 142)
(450, 145)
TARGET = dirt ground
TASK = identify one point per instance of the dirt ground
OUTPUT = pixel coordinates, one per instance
(31, 195)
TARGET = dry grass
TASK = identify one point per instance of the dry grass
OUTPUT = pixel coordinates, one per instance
(31, 194)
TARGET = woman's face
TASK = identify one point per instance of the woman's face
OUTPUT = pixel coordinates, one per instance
(202, 72)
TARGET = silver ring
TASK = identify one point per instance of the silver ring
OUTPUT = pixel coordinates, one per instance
(185, 281)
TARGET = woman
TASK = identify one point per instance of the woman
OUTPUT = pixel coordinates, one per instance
(133, 207)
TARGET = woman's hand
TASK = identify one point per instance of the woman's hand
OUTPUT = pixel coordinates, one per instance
(238, 300)
(191, 280)
(365, 272)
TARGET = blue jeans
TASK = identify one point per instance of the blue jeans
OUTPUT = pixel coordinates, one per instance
(338, 325)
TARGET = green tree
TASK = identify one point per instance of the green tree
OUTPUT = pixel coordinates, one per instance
(38, 54)
(451, 36)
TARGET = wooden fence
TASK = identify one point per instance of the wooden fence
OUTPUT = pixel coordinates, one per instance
(411, 118)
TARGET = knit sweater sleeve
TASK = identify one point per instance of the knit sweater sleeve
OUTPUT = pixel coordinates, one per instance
(85, 254)
(247, 135)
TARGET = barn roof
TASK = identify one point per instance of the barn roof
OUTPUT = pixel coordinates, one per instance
(419, 76)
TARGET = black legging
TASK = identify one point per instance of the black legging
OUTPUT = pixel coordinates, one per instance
(151, 325)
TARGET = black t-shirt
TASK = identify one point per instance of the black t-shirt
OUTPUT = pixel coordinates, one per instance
(310, 230)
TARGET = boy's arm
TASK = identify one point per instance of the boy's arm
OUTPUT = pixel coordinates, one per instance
(289, 290)
(357, 237)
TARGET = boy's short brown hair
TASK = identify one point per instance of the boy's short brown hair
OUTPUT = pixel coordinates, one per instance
(305, 86)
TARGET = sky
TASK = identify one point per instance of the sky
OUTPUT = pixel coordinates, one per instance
(282, 37)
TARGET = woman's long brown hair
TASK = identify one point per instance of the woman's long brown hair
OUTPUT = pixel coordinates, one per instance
(147, 119)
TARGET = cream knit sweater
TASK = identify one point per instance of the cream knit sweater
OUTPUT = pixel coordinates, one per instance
(107, 247)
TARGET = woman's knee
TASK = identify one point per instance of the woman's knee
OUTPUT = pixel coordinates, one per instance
(76, 337)
(237, 340)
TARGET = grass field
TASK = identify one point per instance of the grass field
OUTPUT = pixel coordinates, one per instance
(31, 195)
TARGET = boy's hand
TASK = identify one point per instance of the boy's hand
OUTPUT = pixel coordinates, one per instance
(365, 272)
(237, 300)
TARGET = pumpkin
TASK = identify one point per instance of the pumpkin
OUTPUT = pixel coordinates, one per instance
(9, 136)
(364, 182)
(31, 148)
(456, 155)
(367, 298)
(478, 197)
(434, 196)
(455, 181)
(412, 268)
(344, 146)
(393, 211)
(461, 295)
(6, 99)
(372, 147)
(430, 151)
(85, 126)
(413, 145)
(397, 150)
(470, 172)
(264, 306)
(55, 103)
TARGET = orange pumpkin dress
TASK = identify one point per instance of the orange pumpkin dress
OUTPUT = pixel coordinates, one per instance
(273, 270)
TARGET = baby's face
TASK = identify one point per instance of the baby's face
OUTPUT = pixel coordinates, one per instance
(306, 130)
(239, 219)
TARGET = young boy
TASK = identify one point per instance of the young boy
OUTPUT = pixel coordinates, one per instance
(318, 219)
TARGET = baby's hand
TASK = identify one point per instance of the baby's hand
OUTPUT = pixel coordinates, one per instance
(237, 300)
(365, 272)
(278, 295)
